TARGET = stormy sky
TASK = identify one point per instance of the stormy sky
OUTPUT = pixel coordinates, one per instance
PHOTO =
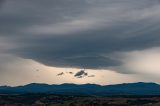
(121, 36)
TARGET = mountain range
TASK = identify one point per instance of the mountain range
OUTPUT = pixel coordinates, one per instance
(139, 88)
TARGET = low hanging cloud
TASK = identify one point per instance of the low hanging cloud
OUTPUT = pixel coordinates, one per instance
(79, 33)
(81, 74)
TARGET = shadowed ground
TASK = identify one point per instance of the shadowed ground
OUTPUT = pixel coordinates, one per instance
(59, 100)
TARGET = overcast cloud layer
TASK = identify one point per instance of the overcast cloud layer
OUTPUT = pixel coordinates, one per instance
(80, 33)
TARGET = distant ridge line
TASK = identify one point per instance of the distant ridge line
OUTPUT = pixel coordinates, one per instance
(139, 88)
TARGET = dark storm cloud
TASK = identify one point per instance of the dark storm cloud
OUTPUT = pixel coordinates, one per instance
(79, 33)
(1, 2)
(20, 14)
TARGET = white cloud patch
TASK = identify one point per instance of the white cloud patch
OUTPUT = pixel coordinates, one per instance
(141, 61)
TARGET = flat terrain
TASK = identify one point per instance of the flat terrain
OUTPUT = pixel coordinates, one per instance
(59, 100)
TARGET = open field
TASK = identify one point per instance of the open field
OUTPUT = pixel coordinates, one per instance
(59, 100)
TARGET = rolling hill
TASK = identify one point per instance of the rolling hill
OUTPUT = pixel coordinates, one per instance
(139, 88)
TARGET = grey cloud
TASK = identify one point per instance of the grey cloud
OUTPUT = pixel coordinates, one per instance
(60, 74)
(91, 76)
(92, 30)
(20, 14)
(81, 74)
(1, 2)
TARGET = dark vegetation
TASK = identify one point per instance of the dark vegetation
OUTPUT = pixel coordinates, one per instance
(62, 100)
